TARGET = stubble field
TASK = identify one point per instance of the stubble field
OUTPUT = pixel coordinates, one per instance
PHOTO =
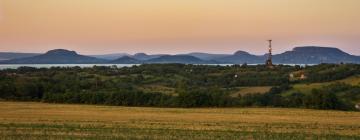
(30, 120)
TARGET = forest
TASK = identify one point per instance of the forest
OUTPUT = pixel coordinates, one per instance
(185, 85)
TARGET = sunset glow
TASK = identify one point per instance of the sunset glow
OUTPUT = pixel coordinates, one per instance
(177, 26)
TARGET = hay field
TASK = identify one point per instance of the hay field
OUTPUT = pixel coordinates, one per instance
(30, 120)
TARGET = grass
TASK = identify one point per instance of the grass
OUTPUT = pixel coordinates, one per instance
(237, 91)
(29, 120)
(251, 90)
(303, 88)
(158, 88)
(307, 88)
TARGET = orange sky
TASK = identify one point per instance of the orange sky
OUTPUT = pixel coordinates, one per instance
(177, 26)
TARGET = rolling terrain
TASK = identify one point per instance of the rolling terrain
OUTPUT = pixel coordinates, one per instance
(58, 56)
(177, 101)
(326, 86)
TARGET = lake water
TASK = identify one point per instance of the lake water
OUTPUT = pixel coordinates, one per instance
(15, 66)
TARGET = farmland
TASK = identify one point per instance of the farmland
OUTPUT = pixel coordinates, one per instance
(306, 88)
(30, 120)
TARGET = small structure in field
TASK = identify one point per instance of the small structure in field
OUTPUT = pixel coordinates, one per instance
(298, 75)
(357, 106)
(11, 74)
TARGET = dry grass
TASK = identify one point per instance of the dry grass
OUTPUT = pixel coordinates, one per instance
(28, 120)
(250, 90)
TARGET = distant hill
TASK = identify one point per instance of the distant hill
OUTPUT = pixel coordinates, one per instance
(58, 56)
(110, 56)
(126, 60)
(299, 55)
(185, 59)
(144, 56)
(207, 56)
(14, 55)
(315, 55)
(241, 57)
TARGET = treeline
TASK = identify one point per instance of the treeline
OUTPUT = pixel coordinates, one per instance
(336, 97)
(140, 98)
(118, 98)
(194, 85)
(331, 72)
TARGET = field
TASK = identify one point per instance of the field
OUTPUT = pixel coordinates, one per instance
(306, 88)
(250, 90)
(30, 120)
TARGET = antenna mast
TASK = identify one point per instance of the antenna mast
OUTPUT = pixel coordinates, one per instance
(270, 50)
(269, 59)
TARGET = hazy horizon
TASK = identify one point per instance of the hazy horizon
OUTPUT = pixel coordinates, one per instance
(169, 53)
(177, 26)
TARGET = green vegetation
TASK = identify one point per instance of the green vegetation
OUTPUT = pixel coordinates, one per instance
(308, 87)
(30, 120)
(326, 86)
(241, 91)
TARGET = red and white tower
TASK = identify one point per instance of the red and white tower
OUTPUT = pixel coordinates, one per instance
(269, 59)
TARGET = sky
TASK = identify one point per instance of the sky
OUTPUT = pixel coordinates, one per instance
(178, 26)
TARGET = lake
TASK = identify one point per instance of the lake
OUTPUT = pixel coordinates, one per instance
(15, 66)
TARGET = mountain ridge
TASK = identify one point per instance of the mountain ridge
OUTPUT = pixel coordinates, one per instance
(56, 56)
(298, 55)
(14, 55)
(126, 60)
(186, 59)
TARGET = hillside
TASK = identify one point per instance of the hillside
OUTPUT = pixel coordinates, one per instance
(13, 55)
(207, 56)
(125, 60)
(299, 55)
(144, 56)
(184, 59)
(180, 85)
(110, 56)
(58, 56)
(307, 88)
(241, 57)
(315, 55)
